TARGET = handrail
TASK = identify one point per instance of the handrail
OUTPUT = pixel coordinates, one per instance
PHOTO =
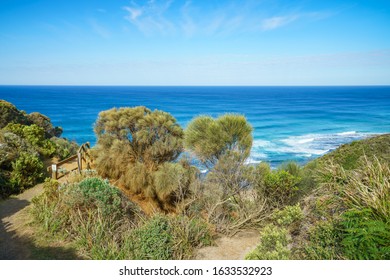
(80, 156)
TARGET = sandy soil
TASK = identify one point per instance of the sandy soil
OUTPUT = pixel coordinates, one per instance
(230, 248)
(13, 235)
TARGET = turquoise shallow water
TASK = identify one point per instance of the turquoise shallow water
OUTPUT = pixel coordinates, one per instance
(290, 123)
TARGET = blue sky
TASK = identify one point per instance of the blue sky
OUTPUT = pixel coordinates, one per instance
(172, 42)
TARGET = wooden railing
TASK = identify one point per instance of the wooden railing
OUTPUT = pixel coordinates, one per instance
(82, 155)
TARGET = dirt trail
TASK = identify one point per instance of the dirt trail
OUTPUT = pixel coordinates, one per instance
(230, 248)
(13, 239)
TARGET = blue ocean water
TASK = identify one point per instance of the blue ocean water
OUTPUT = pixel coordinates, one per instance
(290, 123)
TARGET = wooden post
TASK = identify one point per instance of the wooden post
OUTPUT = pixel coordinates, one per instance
(79, 162)
(54, 171)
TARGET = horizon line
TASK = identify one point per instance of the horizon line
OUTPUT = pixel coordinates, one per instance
(92, 85)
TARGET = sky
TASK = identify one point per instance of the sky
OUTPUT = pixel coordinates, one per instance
(195, 43)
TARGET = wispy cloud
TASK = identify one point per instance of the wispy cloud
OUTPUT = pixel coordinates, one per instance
(150, 17)
(188, 19)
(279, 21)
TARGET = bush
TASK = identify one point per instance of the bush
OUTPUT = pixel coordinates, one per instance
(64, 148)
(288, 216)
(45, 123)
(26, 172)
(364, 237)
(165, 238)
(323, 242)
(153, 241)
(138, 147)
(279, 187)
(35, 136)
(9, 113)
(273, 245)
(210, 139)
(91, 213)
(98, 192)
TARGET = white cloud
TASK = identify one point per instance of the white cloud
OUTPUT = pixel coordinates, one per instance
(276, 22)
(133, 13)
(150, 17)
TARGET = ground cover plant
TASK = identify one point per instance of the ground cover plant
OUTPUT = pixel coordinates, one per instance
(335, 207)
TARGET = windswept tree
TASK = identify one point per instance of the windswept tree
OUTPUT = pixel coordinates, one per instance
(134, 146)
(211, 139)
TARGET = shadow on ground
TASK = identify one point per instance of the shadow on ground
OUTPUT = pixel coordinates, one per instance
(18, 245)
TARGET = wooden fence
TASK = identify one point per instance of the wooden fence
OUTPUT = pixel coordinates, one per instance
(67, 165)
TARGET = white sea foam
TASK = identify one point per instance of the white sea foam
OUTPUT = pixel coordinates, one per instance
(347, 133)
(307, 146)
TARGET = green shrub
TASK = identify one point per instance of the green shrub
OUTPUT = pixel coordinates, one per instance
(364, 237)
(134, 144)
(26, 172)
(9, 113)
(98, 192)
(288, 216)
(324, 242)
(210, 139)
(45, 123)
(273, 245)
(279, 187)
(64, 148)
(92, 214)
(34, 135)
(163, 238)
(188, 234)
(153, 240)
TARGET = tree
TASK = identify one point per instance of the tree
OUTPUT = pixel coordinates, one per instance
(45, 122)
(134, 146)
(211, 139)
(9, 113)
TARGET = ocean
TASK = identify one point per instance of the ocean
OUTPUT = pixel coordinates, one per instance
(289, 123)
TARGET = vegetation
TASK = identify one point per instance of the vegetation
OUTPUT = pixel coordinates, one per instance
(26, 141)
(335, 207)
(103, 224)
(139, 147)
(212, 139)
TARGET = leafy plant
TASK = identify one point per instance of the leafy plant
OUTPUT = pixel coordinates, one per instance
(323, 242)
(273, 245)
(288, 216)
(153, 240)
(26, 172)
(364, 237)
(210, 139)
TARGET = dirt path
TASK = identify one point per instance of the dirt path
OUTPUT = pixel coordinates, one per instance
(13, 237)
(230, 248)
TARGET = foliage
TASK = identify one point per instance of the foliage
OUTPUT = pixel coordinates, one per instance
(279, 187)
(153, 241)
(273, 245)
(92, 214)
(351, 156)
(95, 191)
(64, 148)
(45, 123)
(34, 135)
(288, 216)
(164, 238)
(364, 236)
(323, 242)
(9, 113)
(151, 137)
(210, 139)
(137, 146)
(26, 172)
